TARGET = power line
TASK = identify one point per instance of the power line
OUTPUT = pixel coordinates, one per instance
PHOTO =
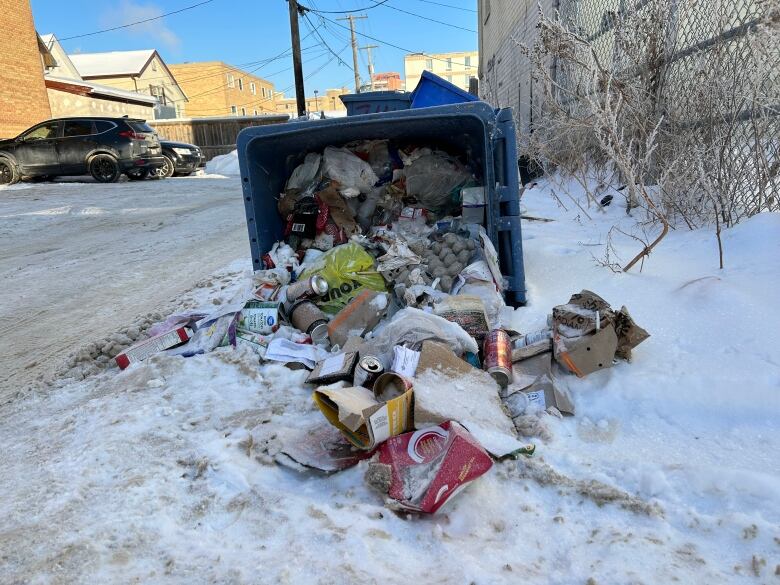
(129, 24)
(323, 42)
(448, 6)
(379, 3)
(429, 19)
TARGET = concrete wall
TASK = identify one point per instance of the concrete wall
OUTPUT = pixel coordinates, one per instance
(68, 104)
(504, 73)
(209, 90)
(23, 98)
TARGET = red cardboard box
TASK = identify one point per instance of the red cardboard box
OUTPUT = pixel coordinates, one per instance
(148, 347)
(431, 465)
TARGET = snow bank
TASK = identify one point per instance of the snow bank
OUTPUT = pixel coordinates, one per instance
(668, 473)
(224, 164)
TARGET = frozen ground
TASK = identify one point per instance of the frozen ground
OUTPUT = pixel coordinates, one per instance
(669, 472)
(80, 259)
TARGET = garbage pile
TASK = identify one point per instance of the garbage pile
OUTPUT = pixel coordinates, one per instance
(394, 305)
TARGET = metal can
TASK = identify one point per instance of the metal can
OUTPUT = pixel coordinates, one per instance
(307, 317)
(314, 286)
(369, 368)
(391, 385)
(531, 338)
(497, 359)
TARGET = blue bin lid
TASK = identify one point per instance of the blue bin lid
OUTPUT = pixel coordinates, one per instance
(375, 96)
(427, 78)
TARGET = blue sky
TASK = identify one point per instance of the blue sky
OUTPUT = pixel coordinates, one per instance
(247, 32)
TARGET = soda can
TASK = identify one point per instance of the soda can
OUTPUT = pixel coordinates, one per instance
(314, 286)
(498, 357)
(309, 318)
(369, 368)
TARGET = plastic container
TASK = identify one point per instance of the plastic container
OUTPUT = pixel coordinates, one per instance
(432, 90)
(268, 154)
(375, 102)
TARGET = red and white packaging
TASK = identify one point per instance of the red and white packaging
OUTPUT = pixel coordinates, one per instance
(148, 347)
(431, 465)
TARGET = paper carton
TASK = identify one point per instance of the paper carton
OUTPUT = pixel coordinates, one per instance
(320, 447)
(431, 465)
(534, 377)
(438, 356)
(364, 420)
(588, 353)
(148, 347)
(334, 368)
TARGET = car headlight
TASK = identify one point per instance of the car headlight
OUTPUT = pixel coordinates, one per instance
(184, 151)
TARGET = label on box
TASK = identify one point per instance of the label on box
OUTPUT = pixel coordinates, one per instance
(332, 365)
(260, 317)
(405, 361)
(151, 346)
(536, 400)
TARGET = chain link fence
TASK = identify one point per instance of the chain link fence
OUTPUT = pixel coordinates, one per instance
(712, 71)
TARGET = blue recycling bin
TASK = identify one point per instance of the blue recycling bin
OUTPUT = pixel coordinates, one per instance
(267, 156)
(374, 102)
(433, 90)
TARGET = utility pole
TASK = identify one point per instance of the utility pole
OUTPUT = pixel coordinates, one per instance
(295, 39)
(367, 49)
(352, 18)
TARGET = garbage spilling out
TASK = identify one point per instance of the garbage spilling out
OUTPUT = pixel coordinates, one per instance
(388, 290)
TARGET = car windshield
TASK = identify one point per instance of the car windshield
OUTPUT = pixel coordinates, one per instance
(141, 127)
(41, 132)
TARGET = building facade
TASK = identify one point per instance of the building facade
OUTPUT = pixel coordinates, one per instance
(23, 97)
(142, 72)
(457, 68)
(388, 81)
(505, 75)
(215, 88)
(329, 102)
(70, 95)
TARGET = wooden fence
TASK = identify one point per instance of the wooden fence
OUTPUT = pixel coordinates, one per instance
(215, 136)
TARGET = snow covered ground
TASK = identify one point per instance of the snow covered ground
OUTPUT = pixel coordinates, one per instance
(669, 472)
(79, 260)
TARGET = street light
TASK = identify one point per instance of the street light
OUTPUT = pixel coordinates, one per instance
(316, 102)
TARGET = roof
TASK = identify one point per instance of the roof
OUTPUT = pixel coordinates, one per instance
(98, 90)
(111, 63)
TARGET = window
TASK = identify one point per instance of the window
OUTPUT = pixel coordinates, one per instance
(286, 106)
(255, 112)
(429, 64)
(243, 111)
(449, 78)
(158, 91)
(449, 63)
(252, 88)
(42, 132)
(466, 79)
(141, 127)
(103, 126)
(263, 90)
(78, 128)
(233, 110)
(467, 62)
(240, 84)
(154, 64)
(231, 80)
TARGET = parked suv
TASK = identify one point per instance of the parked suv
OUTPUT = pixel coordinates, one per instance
(103, 147)
(181, 159)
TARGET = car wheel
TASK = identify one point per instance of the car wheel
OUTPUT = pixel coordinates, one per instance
(8, 172)
(104, 168)
(137, 174)
(167, 169)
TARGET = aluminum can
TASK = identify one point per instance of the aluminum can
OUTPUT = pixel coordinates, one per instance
(369, 368)
(314, 286)
(391, 385)
(309, 318)
(497, 360)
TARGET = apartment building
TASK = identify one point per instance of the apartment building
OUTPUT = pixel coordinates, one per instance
(23, 97)
(215, 88)
(457, 68)
(328, 102)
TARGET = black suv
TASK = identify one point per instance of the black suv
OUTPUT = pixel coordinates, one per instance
(103, 147)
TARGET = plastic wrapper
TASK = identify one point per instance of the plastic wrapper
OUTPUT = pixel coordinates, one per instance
(348, 269)
(353, 174)
(306, 174)
(434, 180)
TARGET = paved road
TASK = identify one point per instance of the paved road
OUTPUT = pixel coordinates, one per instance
(78, 260)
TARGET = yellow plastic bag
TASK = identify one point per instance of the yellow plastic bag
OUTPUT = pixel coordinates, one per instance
(348, 269)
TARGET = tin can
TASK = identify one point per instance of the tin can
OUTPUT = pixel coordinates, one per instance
(531, 338)
(307, 317)
(314, 286)
(391, 385)
(497, 359)
(369, 368)
(268, 262)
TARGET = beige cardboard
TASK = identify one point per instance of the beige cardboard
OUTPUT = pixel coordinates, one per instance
(438, 356)
(528, 351)
(534, 377)
(587, 354)
(325, 372)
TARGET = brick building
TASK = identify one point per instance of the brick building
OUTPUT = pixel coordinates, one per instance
(505, 76)
(457, 68)
(329, 102)
(23, 98)
(215, 88)
(388, 81)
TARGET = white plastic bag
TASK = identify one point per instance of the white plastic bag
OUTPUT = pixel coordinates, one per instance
(413, 326)
(350, 171)
(306, 173)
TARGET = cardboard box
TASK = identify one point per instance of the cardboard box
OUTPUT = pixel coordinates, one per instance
(333, 369)
(363, 420)
(467, 311)
(148, 347)
(431, 465)
(435, 355)
(534, 377)
(260, 317)
(360, 316)
(320, 447)
(588, 353)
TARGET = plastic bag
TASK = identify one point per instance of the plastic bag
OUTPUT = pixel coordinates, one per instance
(351, 172)
(434, 180)
(348, 269)
(305, 174)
